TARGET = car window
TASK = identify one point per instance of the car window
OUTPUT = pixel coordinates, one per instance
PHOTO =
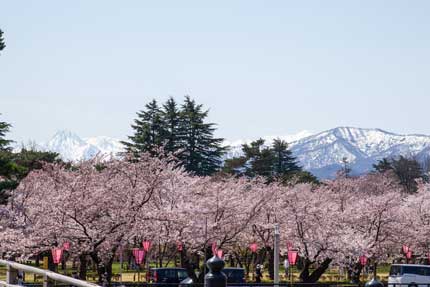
(415, 270)
(182, 274)
(395, 271)
(234, 273)
(167, 273)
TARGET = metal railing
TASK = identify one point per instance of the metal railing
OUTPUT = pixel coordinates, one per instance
(13, 269)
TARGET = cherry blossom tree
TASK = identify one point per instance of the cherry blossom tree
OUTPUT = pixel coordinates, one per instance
(95, 205)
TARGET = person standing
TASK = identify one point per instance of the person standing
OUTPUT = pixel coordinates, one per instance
(258, 273)
(286, 266)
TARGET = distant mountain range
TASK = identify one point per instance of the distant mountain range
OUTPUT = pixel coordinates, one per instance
(73, 148)
(320, 153)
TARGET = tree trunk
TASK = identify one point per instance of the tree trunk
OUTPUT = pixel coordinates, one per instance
(271, 262)
(313, 277)
(83, 267)
(354, 272)
(38, 260)
(187, 264)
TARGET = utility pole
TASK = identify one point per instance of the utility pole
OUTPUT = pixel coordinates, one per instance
(276, 255)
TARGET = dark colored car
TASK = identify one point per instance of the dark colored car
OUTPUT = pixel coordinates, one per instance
(171, 276)
(234, 275)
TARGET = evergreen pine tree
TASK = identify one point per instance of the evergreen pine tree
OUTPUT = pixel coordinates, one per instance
(383, 165)
(4, 143)
(260, 159)
(201, 153)
(2, 44)
(171, 120)
(274, 162)
(284, 161)
(149, 130)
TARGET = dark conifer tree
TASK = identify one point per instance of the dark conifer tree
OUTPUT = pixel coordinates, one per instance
(407, 170)
(272, 162)
(4, 143)
(383, 165)
(2, 44)
(284, 161)
(260, 159)
(171, 119)
(201, 153)
(149, 130)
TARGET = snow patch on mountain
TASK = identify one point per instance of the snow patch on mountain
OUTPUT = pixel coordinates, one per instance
(73, 148)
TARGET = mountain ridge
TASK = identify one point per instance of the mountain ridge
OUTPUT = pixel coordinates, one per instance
(320, 153)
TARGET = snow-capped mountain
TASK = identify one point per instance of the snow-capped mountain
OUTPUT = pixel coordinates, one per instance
(320, 153)
(73, 148)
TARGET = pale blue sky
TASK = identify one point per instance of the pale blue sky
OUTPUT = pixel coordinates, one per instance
(262, 67)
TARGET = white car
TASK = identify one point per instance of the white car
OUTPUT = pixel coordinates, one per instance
(409, 275)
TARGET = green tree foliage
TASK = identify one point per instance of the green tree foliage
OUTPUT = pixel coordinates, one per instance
(183, 131)
(14, 166)
(149, 130)
(274, 162)
(201, 153)
(171, 116)
(2, 44)
(4, 143)
(260, 159)
(284, 162)
(407, 170)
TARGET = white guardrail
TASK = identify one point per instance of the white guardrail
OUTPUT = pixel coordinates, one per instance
(48, 276)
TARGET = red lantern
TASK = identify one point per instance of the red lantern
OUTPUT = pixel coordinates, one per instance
(146, 245)
(56, 255)
(289, 245)
(138, 254)
(253, 247)
(214, 249)
(363, 260)
(66, 246)
(405, 249)
(179, 246)
(219, 253)
(292, 257)
(409, 254)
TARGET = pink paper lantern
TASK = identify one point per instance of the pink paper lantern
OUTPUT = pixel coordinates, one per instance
(292, 257)
(146, 245)
(139, 255)
(179, 246)
(363, 260)
(214, 249)
(135, 250)
(409, 254)
(253, 247)
(405, 249)
(66, 246)
(56, 255)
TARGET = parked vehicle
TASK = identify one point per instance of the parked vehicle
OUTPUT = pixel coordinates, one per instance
(171, 276)
(234, 275)
(409, 275)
